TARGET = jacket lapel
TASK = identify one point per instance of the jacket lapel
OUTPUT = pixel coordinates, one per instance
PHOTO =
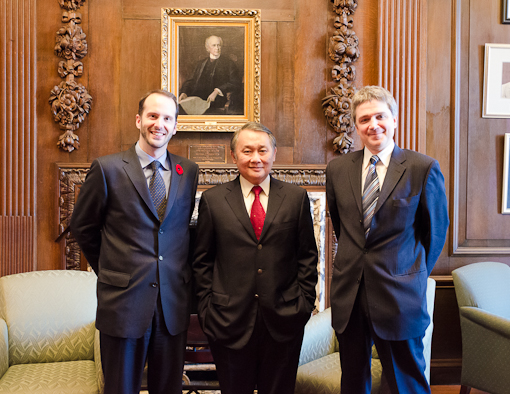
(135, 173)
(175, 181)
(276, 197)
(355, 177)
(395, 170)
(236, 201)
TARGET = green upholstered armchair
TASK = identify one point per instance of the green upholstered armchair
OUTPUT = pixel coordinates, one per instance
(483, 295)
(48, 340)
(319, 369)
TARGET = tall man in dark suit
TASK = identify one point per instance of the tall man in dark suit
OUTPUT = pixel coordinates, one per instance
(131, 222)
(389, 213)
(255, 266)
(215, 79)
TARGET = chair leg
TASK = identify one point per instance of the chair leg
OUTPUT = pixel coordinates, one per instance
(465, 389)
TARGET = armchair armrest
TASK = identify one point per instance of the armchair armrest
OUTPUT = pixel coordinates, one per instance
(319, 339)
(97, 361)
(486, 320)
(4, 348)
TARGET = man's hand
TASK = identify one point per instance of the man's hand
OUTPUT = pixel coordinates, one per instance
(213, 95)
(182, 96)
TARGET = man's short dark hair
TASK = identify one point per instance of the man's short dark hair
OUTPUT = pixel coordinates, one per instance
(166, 93)
(373, 93)
(254, 126)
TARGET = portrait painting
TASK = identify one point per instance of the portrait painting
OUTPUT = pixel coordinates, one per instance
(210, 61)
(496, 87)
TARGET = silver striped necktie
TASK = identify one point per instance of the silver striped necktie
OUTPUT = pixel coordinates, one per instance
(370, 194)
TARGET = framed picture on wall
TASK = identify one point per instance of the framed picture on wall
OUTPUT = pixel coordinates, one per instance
(496, 86)
(506, 176)
(210, 59)
(505, 11)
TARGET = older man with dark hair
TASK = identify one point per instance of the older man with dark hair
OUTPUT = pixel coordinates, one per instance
(255, 267)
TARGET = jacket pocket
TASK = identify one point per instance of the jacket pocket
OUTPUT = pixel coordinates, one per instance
(114, 278)
(291, 293)
(406, 202)
(220, 299)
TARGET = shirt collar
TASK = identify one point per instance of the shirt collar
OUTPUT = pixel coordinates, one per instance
(146, 159)
(384, 155)
(246, 186)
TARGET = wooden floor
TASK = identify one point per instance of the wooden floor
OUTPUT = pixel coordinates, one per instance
(452, 390)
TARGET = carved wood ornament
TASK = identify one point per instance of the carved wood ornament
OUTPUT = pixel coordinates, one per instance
(72, 176)
(343, 50)
(70, 100)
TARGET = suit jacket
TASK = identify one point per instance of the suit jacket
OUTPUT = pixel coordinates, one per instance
(237, 276)
(133, 254)
(407, 235)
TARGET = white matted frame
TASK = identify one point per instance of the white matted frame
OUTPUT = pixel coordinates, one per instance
(183, 51)
(505, 201)
(496, 86)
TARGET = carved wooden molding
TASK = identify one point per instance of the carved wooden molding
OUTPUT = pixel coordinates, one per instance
(18, 136)
(343, 50)
(461, 245)
(70, 101)
(402, 49)
(72, 176)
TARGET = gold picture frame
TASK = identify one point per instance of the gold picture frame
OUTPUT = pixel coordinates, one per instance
(187, 37)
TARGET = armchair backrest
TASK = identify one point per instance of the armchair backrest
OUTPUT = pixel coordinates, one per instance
(485, 286)
(50, 315)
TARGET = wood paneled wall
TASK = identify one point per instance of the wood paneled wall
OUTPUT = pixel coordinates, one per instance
(402, 65)
(428, 52)
(17, 136)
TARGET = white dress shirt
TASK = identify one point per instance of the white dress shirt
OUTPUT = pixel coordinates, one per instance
(249, 196)
(164, 169)
(381, 167)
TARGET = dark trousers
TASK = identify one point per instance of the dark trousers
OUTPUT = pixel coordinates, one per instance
(124, 360)
(263, 363)
(402, 361)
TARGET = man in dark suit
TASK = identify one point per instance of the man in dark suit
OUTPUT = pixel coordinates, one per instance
(255, 267)
(389, 213)
(215, 79)
(131, 222)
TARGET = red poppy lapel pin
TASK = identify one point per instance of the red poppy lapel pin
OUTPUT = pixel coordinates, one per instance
(178, 168)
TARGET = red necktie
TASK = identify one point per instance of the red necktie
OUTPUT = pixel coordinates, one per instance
(257, 215)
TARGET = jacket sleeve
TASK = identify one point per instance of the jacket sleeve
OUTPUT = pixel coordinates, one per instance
(434, 215)
(88, 215)
(307, 253)
(331, 199)
(204, 256)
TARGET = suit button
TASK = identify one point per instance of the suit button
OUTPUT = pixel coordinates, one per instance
(259, 246)
(155, 284)
(160, 258)
(160, 231)
(256, 296)
(259, 271)
(365, 250)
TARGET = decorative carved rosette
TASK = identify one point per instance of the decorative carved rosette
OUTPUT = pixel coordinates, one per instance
(70, 101)
(343, 50)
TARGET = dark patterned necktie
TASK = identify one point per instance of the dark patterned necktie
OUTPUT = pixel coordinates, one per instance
(370, 194)
(158, 190)
(257, 215)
